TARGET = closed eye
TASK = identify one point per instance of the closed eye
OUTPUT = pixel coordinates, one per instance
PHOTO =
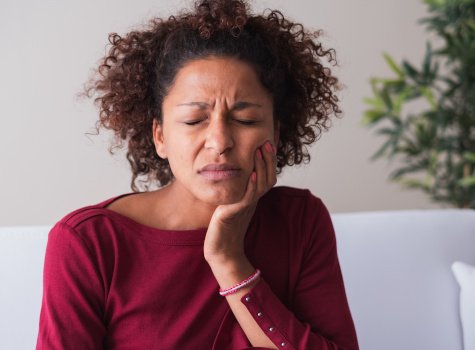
(246, 121)
(239, 121)
(193, 122)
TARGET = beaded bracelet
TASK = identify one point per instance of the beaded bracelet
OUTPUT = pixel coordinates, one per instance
(236, 287)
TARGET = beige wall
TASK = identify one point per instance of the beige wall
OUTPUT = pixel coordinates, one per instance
(50, 167)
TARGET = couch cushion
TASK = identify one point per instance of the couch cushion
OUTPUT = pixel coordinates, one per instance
(465, 275)
(21, 267)
(396, 267)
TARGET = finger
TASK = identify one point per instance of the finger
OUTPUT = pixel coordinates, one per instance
(251, 190)
(261, 172)
(229, 210)
(271, 162)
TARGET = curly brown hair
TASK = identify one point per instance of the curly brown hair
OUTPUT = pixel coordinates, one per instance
(135, 75)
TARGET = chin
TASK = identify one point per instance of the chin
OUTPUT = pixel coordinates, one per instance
(222, 196)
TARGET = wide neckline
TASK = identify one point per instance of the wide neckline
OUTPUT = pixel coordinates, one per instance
(160, 235)
(164, 236)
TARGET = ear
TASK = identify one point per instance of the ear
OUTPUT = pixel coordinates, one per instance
(158, 139)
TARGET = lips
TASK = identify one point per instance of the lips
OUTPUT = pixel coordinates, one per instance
(219, 171)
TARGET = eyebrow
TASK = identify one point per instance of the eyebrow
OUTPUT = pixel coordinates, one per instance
(237, 106)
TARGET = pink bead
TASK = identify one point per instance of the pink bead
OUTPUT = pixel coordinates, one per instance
(236, 287)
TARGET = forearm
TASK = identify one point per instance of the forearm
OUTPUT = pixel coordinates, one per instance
(229, 273)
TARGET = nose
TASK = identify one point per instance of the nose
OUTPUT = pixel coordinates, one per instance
(219, 136)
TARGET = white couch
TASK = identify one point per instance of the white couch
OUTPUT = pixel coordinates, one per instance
(396, 267)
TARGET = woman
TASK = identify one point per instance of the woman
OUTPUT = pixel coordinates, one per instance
(212, 104)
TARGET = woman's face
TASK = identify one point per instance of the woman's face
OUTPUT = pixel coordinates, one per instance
(215, 116)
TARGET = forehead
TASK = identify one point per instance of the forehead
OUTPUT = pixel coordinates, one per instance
(218, 77)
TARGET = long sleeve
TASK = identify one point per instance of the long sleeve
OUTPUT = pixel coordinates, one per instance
(320, 318)
(72, 295)
(110, 282)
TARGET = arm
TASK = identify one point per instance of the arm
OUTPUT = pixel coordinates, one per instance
(320, 318)
(224, 248)
(228, 275)
(319, 315)
(72, 295)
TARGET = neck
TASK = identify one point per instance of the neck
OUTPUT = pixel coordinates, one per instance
(183, 210)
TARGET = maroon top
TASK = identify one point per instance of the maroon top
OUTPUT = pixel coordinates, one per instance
(113, 283)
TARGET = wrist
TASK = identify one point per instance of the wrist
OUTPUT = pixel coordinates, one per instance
(226, 260)
(230, 272)
(245, 284)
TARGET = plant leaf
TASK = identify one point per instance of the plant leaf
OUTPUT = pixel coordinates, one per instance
(411, 168)
(470, 156)
(435, 3)
(375, 102)
(386, 99)
(382, 150)
(427, 62)
(372, 116)
(427, 93)
(413, 183)
(395, 68)
(467, 181)
(410, 70)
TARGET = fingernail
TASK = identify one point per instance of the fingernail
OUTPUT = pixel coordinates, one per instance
(259, 154)
(268, 147)
(254, 176)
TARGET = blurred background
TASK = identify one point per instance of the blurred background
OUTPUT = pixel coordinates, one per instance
(51, 166)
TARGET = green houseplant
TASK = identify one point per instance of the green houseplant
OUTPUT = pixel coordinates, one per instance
(436, 143)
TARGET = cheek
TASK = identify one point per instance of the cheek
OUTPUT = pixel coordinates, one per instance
(260, 138)
(183, 151)
(252, 143)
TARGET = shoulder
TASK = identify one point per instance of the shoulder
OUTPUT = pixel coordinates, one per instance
(288, 198)
(89, 216)
(298, 209)
(89, 231)
(82, 215)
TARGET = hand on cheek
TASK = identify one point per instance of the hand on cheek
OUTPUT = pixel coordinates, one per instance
(265, 168)
(229, 223)
(264, 176)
